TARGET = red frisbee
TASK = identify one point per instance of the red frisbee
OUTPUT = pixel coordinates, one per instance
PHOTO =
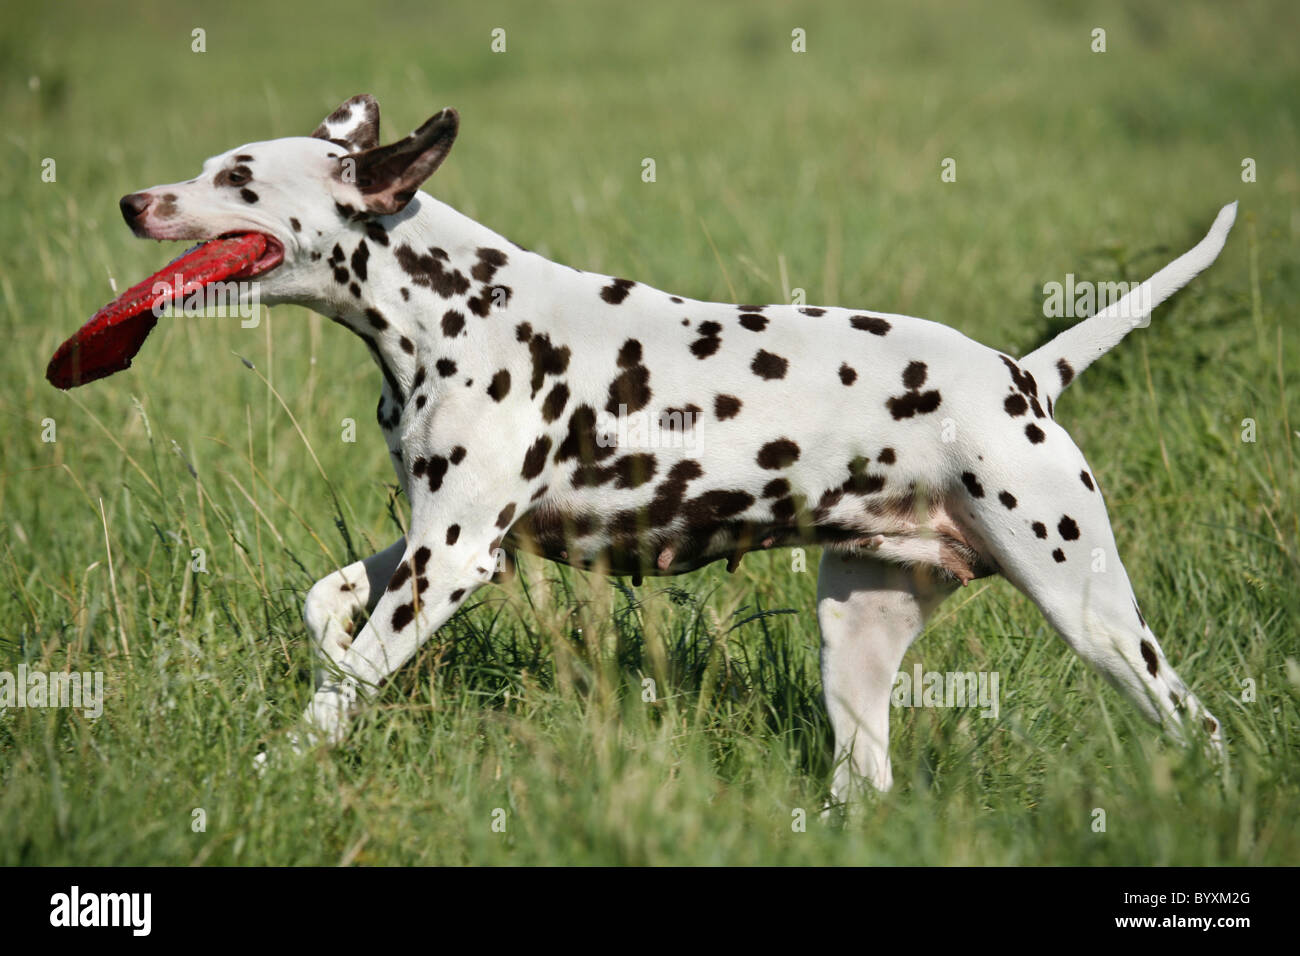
(107, 343)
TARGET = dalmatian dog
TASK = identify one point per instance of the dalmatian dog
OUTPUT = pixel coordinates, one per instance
(918, 459)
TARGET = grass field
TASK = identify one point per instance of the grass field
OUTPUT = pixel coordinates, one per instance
(775, 170)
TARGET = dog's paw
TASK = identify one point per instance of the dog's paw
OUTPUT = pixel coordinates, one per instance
(833, 813)
(325, 721)
(327, 716)
(1215, 746)
(293, 744)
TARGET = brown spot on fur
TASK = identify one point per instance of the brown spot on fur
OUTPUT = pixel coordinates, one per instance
(433, 469)
(400, 577)
(499, 387)
(617, 291)
(778, 454)
(679, 419)
(452, 323)
(580, 442)
(535, 459)
(768, 365)
(776, 488)
(403, 616)
(870, 323)
(1067, 373)
(360, 256)
(632, 386)
(708, 342)
(547, 360)
(553, 404)
(715, 506)
(913, 403)
(726, 406)
(489, 260)
(1023, 380)
(859, 481)
(1149, 655)
(428, 271)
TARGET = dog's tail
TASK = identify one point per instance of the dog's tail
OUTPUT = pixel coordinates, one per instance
(1055, 364)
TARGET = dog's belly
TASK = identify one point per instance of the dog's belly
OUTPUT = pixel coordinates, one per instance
(903, 531)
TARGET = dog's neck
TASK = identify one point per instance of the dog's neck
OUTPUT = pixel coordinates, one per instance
(416, 286)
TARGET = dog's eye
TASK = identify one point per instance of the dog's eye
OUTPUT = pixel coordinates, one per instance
(235, 176)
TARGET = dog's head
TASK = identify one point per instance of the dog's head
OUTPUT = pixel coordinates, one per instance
(265, 215)
(299, 192)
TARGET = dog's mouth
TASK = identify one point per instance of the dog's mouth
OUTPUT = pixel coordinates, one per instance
(107, 343)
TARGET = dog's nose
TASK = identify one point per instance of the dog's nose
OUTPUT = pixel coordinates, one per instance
(133, 206)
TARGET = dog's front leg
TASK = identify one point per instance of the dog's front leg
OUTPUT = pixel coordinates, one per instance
(336, 601)
(441, 565)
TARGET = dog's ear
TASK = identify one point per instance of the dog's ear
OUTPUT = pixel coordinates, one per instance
(354, 125)
(388, 176)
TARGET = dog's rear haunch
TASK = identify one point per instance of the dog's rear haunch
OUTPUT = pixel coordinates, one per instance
(517, 395)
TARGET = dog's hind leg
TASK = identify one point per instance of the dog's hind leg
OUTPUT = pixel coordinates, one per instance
(1046, 527)
(869, 613)
(336, 601)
